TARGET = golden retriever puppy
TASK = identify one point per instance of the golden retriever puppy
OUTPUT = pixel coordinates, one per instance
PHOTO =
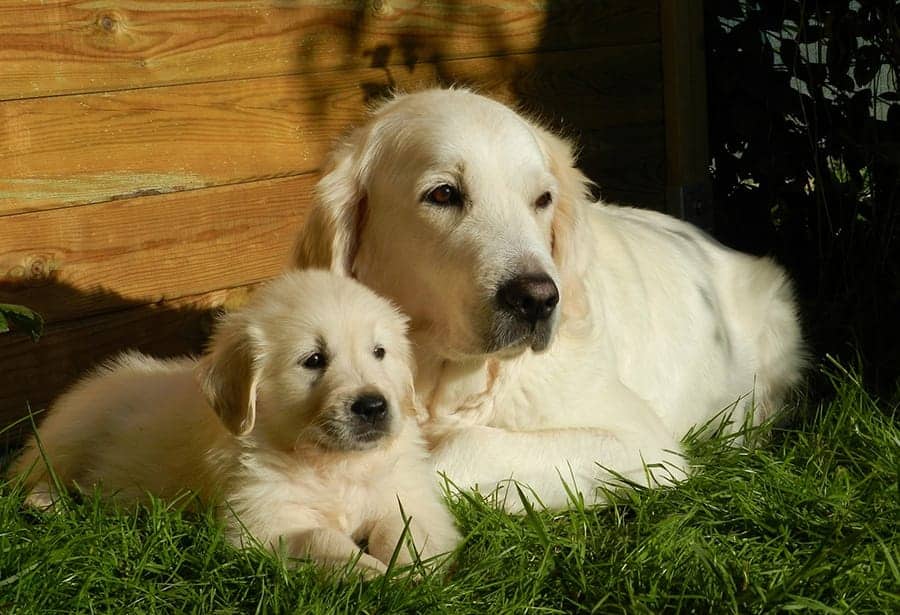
(298, 423)
(555, 337)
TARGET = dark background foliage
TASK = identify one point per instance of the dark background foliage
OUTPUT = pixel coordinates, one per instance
(805, 148)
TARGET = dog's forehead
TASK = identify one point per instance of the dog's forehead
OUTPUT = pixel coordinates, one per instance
(332, 318)
(504, 139)
(471, 129)
(307, 308)
(491, 136)
(350, 324)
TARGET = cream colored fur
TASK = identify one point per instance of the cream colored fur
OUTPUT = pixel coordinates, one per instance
(659, 327)
(249, 428)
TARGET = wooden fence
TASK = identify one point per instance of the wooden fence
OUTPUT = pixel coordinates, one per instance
(157, 157)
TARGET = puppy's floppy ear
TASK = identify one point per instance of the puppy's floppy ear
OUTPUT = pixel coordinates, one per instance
(330, 237)
(228, 376)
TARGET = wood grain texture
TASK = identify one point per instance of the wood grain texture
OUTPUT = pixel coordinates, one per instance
(33, 374)
(73, 150)
(74, 262)
(70, 263)
(156, 152)
(50, 47)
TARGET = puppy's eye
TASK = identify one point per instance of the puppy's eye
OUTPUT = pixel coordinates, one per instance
(316, 360)
(378, 352)
(444, 195)
(544, 200)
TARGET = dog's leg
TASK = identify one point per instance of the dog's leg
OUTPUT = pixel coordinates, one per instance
(430, 528)
(331, 548)
(547, 462)
(387, 534)
(42, 496)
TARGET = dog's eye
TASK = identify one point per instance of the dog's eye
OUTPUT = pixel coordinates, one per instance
(444, 195)
(378, 352)
(544, 200)
(316, 360)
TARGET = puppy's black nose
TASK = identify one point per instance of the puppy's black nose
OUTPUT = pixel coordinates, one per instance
(531, 297)
(370, 408)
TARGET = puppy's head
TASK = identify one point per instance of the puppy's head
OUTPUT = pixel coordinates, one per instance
(458, 209)
(312, 359)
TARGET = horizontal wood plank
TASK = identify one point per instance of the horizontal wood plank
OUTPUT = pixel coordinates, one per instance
(74, 150)
(78, 261)
(628, 163)
(33, 374)
(51, 47)
(74, 262)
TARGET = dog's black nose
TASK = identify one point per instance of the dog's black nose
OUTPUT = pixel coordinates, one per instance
(532, 297)
(371, 408)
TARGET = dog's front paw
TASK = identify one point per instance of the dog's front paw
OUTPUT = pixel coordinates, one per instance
(665, 468)
(368, 567)
(417, 544)
(436, 547)
(42, 496)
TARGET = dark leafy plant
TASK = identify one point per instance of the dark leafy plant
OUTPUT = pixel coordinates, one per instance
(805, 146)
(21, 318)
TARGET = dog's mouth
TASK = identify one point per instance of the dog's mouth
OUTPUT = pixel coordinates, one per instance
(346, 430)
(510, 336)
(338, 435)
(370, 436)
(524, 310)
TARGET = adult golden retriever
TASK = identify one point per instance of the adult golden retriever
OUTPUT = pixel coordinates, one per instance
(555, 337)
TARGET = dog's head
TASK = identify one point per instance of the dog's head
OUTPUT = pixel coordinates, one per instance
(312, 359)
(458, 209)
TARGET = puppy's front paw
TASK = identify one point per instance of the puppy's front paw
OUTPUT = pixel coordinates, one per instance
(368, 567)
(428, 546)
(330, 549)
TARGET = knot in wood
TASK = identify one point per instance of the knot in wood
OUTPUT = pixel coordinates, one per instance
(39, 268)
(108, 23)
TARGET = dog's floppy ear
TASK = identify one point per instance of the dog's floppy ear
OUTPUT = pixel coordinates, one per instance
(574, 189)
(330, 237)
(228, 376)
(567, 225)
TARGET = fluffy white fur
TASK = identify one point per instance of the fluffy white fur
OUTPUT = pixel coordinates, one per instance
(255, 430)
(658, 327)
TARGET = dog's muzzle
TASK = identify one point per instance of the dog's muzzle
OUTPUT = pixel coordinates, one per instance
(525, 306)
(370, 418)
(531, 297)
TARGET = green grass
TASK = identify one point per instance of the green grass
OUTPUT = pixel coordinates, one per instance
(808, 520)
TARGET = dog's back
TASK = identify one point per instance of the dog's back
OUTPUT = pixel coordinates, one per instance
(137, 425)
(727, 320)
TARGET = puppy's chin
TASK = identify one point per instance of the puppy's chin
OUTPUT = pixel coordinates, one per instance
(346, 433)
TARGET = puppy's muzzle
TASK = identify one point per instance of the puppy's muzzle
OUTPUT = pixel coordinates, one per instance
(370, 418)
(370, 409)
